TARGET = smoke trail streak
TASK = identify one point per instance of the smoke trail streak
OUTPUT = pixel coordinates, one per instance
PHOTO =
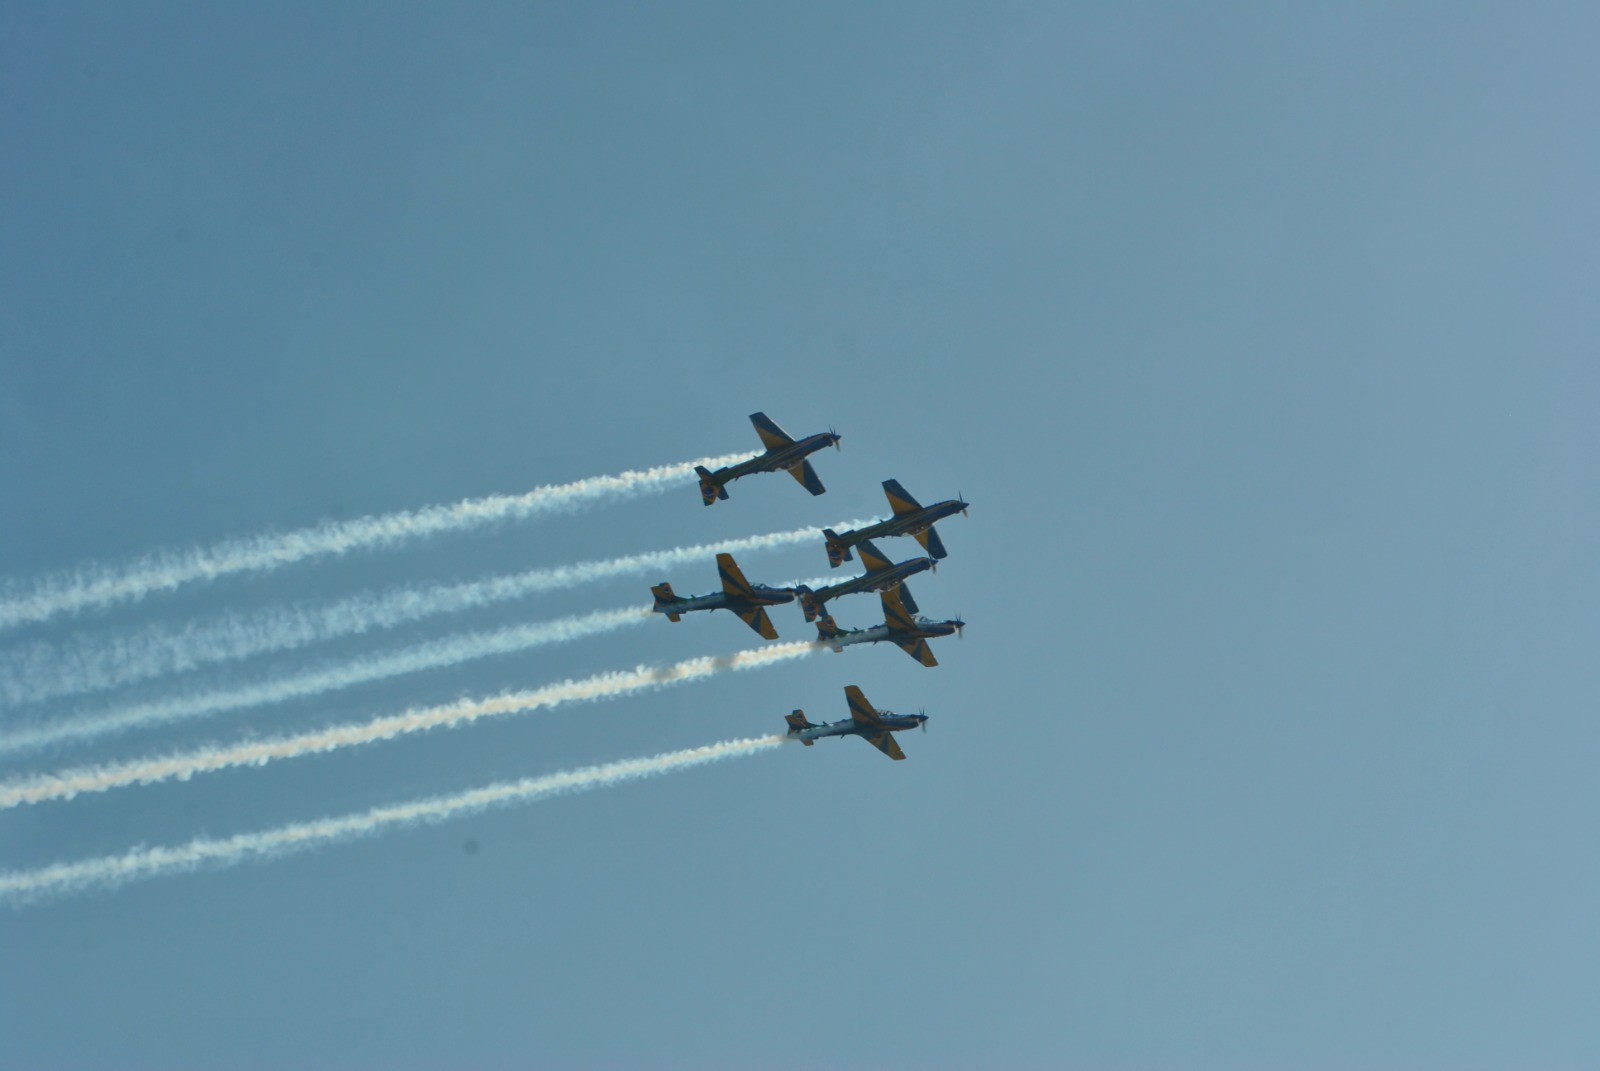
(449, 651)
(100, 585)
(67, 784)
(39, 672)
(19, 887)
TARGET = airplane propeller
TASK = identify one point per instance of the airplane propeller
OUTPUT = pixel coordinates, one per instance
(961, 498)
(961, 627)
(922, 713)
(836, 437)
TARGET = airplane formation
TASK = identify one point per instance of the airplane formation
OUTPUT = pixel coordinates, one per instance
(903, 625)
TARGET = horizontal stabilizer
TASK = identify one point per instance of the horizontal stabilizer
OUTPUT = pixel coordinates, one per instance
(798, 723)
(838, 550)
(665, 600)
(711, 488)
(827, 628)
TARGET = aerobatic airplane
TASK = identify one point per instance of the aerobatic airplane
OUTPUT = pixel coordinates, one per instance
(873, 726)
(880, 574)
(747, 600)
(783, 452)
(909, 634)
(909, 519)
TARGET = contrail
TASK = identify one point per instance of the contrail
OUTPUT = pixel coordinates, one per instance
(102, 585)
(39, 671)
(39, 788)
(449, 651)
(19, 887)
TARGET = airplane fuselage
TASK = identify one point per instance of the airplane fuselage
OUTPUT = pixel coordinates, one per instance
(783, 457)
(925, 630)
(908, 524)
(849, 727)
(876, 580)
(721, 600)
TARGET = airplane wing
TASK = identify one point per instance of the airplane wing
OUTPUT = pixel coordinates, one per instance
(899, 501)
(931, 543)
(733, 581)
(908, 601)
(919, 650)
(884, 742)
(756, 617)
(894, 611)
(772, 436)
(871, 557)
(808, 477)
(861, 711)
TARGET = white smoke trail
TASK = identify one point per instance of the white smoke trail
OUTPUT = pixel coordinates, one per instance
(39, 788)
(19, 887)
(101, 585)
(40, 671)
(450, 651)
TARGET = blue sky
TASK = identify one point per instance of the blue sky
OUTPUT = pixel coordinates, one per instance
(1260, 338)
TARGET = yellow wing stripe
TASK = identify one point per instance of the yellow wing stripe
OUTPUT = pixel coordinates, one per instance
(894, 611)
(861, 711)
(899, 501)
(756, 617)
(886, 744)
(871, 557)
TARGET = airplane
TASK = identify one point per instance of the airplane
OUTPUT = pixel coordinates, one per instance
(747, 600)
(873, 726)
(783, 452)
(910, 634)
(909, 519)
(880, 574)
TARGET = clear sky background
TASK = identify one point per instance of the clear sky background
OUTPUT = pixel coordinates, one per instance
(1261, 337)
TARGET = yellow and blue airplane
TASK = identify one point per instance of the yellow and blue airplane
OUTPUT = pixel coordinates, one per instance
(873, 726)
(747, 600)
(909, 634)
(909, 519)
(880, 575)
(783, 452)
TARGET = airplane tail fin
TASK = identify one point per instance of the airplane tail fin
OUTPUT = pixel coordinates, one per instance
(797, 722)
(827, 630)
(808, 602)
(710, 489)
(665, 600)
(838, 553)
